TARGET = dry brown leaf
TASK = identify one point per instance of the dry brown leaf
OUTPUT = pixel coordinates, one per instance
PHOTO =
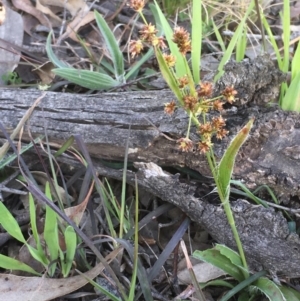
(45, 73)
(44, 289)
(55, 20)
(73, 6)
(26, 6)
(204, 271)
(75, 213)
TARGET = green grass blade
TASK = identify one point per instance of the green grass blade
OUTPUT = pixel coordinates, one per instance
(168, 75)
(51, 55)
(139, 63)
(64, 147)
(269, 289)
(286, 19)
(291, 100)
(196, 38)
(226, 164)
(100, 288)
(16, 265)
(218, 36)
(248, 193)
(273, 41)
(10, 224)
(233, 42)
(51, 232)
(295, 62)
(71, 243)
(241, 46)
(136, 244)
(113, 47)
(34, 230)
(88, 79)
(180, 66)
(243, 285)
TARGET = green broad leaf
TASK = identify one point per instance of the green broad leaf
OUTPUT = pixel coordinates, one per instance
(10, 224)
(269, 289)
(291, 100)
(226, 164)
(180, 65)
(52, 57)
(71, 243)
(168, 76)
(15, 265)
(51, 229)
(113, 47)
(289, 293)
(196, 38)
(88, 79)
(220, 261)
(233, 41)
(233, 256)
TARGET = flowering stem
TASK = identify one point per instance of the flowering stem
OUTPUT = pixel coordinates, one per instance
(225, 202)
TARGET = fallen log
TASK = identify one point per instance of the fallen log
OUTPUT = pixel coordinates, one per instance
(270, 156)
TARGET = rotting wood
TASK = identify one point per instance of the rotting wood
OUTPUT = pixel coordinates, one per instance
(270, 156)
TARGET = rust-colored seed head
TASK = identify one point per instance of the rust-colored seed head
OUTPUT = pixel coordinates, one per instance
(229, 94)
(135, 47)
(169, 59)
(182, 38)
(137, 5)
(190, 102)
(170, 107)
(205, 89)
(183, 81)
(204, 146)
(148, 33)
(185, 144)
(218, 123)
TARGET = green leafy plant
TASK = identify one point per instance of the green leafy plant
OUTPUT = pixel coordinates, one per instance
(99, 79)
(11, 78)
(290, 93)
(247, 287)
(52, 252)
(197, 102)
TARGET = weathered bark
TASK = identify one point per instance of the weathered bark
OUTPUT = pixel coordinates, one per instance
(270, 156)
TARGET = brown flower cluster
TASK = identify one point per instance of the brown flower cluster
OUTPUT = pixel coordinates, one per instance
(201, 104)
(147, 35)
(137, 5)
(182, 39)
(229, 94)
